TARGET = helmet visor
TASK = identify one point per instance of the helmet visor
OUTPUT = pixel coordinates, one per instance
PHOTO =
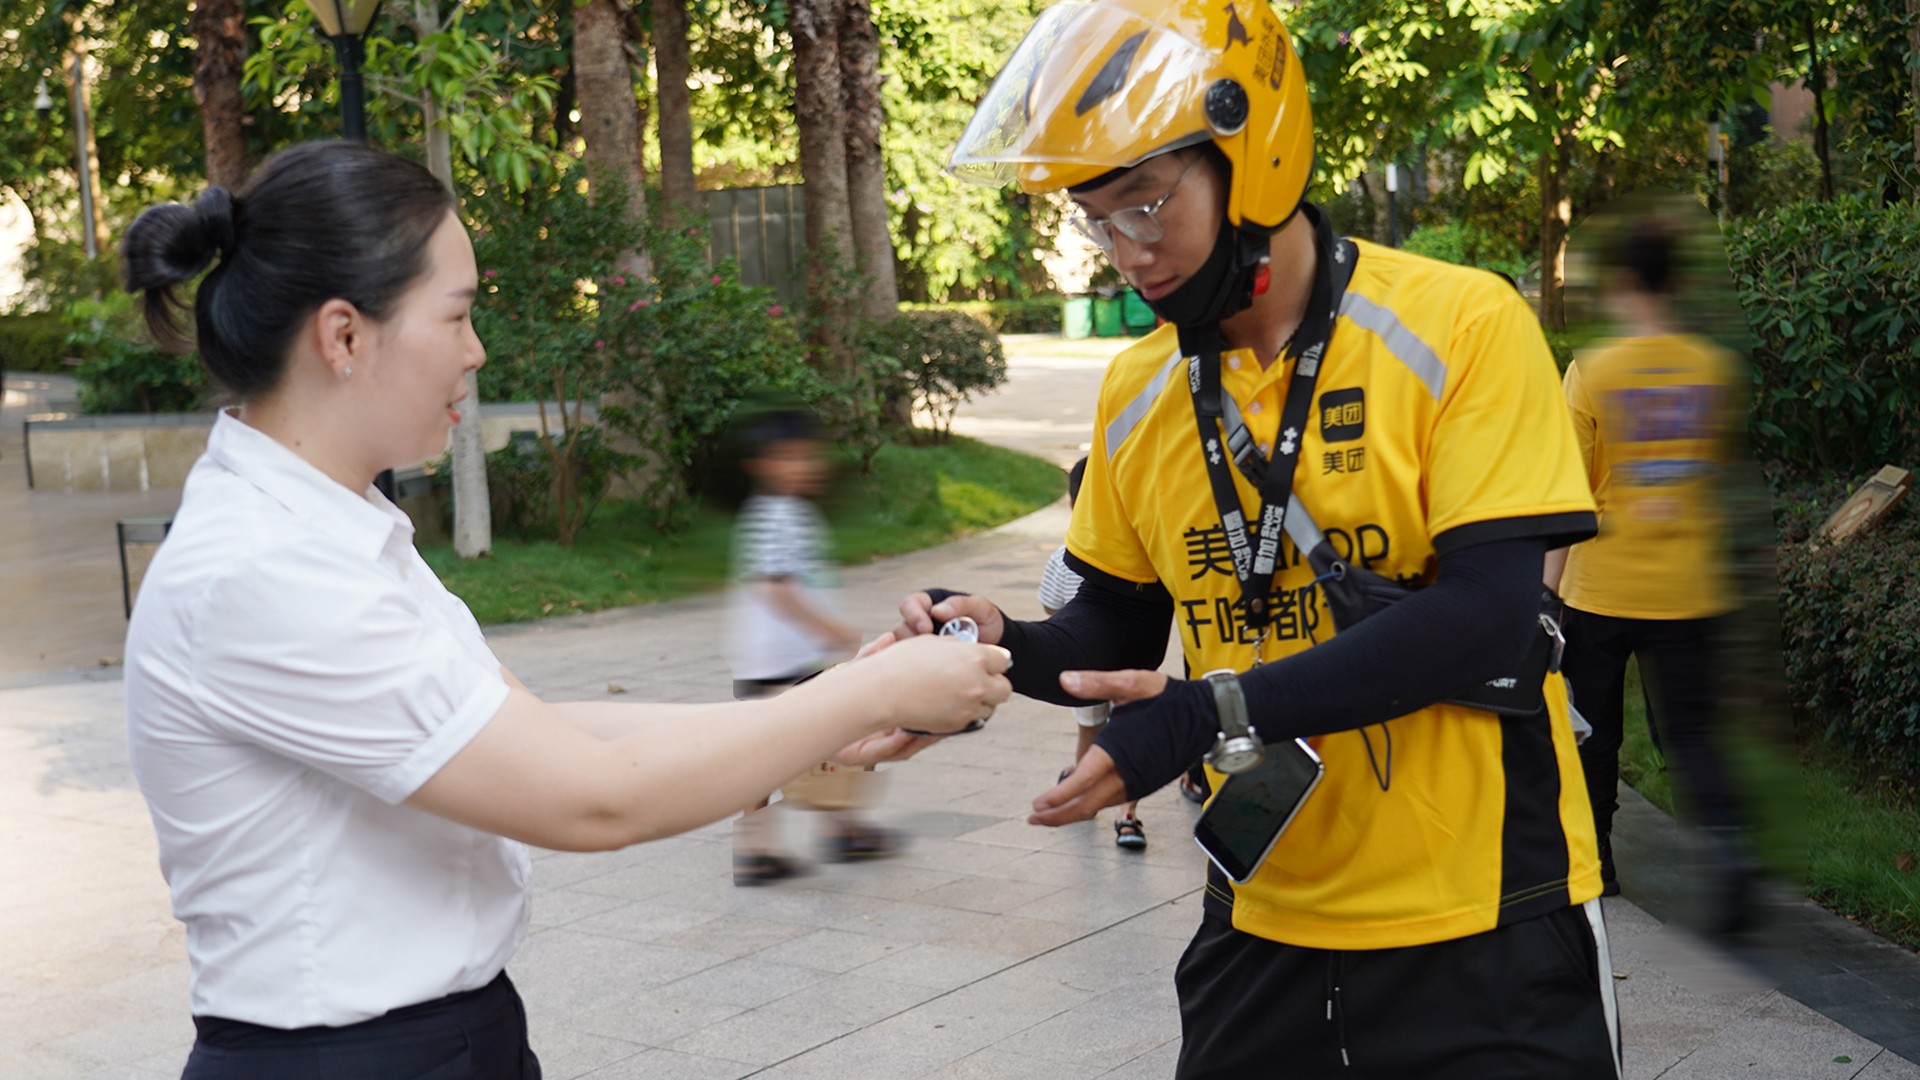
(1090, 85)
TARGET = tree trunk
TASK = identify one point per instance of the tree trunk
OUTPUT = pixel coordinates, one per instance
(609, 112)
(472, 506)
(866, 169)
(1817, 82)
(814, 26)
(1555, 213)
(680, 197)
(220, 52)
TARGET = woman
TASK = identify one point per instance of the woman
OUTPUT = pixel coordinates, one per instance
(341, 775)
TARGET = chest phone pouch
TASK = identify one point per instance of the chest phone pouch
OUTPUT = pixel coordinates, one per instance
(1246, 817)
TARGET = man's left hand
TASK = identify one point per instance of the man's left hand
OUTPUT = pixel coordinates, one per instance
(1094, 783)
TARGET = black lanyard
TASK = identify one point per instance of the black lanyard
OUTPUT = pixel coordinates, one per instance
(1256, 556)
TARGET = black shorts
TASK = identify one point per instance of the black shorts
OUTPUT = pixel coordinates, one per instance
(476, 1035)
(1529, 1001)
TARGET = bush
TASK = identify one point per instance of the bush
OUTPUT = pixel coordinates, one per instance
(944, 357)
(1040, 315)
(1465, 245)
(1832, 297)
(123, 372)
(36, 342)
(1850, 622)
(525, 499)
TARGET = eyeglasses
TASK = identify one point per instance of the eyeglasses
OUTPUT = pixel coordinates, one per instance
(1137, 223)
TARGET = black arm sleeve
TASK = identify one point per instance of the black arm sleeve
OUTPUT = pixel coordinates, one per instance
(1470, 625)
(1110, 624)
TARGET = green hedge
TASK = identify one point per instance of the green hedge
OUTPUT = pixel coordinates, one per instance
(36, 342)
(1040, 315)
(1832, 296)
(1850, 622)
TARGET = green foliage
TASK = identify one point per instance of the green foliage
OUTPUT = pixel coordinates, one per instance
(526, 495)
(1466, 245)
(1039, 315)
(1832, 295)
(694, 344)
(1850, 619)
(944, 358)
(122, 372)
(33, 342)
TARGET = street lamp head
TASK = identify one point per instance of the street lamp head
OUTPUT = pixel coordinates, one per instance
(42, 101)
(350, 17)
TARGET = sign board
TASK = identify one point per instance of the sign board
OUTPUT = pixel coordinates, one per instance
(1868, 504)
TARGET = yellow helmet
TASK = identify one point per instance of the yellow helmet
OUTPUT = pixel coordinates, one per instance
(1099, 85)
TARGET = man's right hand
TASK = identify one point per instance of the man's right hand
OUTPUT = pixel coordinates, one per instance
(920, 615)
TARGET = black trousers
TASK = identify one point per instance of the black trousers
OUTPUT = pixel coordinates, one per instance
(477, 1035)
(1530, 1001)
(1679, 665)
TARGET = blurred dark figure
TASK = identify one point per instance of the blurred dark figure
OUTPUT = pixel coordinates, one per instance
(1658, 411)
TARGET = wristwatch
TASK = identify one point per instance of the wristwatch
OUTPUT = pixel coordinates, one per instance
(1239, 747)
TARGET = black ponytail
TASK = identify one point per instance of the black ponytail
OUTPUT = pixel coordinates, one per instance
(316, 222)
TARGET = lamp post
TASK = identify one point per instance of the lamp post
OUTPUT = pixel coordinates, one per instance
(345, 23)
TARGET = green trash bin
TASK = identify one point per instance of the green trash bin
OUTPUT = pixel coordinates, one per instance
(1108, 317)
(1135, 313)
(1076, 318)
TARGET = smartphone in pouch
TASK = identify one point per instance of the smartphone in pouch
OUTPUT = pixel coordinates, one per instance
(1252, 809)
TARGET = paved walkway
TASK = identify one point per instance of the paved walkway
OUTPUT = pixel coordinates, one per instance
(990, 951)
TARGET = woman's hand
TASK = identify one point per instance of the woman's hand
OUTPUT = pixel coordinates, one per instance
(935, 684)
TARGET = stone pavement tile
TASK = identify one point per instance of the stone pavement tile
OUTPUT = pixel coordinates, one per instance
(565, 969)
(887, 879)
(1116, 1026)
(640, 920)
(1050, 868)
(558, 869)
(125, 1034)
(566, 1051)
(903, 920)
(939, 967)
(857, 1056)
(671, 1065)
(833, 951)
(1156, 1064)
(735, 935)
(161, 984)
(559, 907)
(1778, 1038)
(1106, 961)
(20, 1063)
(992, 896)
(954, 856)
(1113, 897)
(1015, 936)
(125, 1072)
(648, 880)
(169, 1062)
(1011, 833)
(854, 998)
(1177, 919)
(1888, 1065)
(993, 1063)
(746, 982)
(761, 1036)
(636, 1019)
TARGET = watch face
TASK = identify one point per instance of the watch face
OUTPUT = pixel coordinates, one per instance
(1237, 756)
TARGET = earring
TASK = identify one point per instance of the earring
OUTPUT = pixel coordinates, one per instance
(347, 372)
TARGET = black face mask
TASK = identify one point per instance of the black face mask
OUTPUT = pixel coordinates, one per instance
(1223, 286)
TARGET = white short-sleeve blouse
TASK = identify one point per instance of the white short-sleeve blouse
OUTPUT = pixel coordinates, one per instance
(294, 672)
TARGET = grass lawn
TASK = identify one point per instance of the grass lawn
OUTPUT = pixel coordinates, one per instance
(1851, 839)
(916, 497)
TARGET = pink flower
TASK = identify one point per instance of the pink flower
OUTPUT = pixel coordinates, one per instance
(599, 344)
(716, 279)
(618, 280)
(493, 273)
(637, 304)
(776, 311)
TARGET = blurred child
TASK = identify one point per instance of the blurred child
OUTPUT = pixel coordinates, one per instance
(1057, 586)
(784, 624)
